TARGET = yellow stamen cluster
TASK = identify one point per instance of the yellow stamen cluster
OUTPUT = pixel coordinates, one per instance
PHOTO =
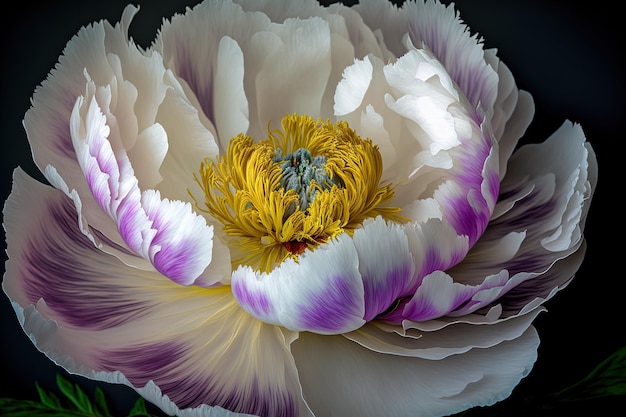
(265, 221)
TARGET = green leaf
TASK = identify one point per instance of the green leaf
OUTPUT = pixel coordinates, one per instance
(75, 394)
(10, 407)
(48, 398)
(101, 408)
(606, 379)
(139, 409)
(80, 405)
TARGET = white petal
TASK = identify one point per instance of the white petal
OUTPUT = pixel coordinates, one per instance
(231, 109)
(352, 88)
(386, 265)
(148, 154)
(190, 142)
(294, 71)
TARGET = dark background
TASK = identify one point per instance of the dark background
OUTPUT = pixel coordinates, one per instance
(567, 56)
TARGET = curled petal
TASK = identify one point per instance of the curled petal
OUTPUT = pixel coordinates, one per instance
(167, 233)
(439, 27)
(548, 188)
(437, 296)
(352, 88)
(385, 263)
(453, 160)
(321, 293)
(438, 339)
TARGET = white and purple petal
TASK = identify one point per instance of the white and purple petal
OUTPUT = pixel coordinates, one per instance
(545, 198)
(322, 292)
(386, 265)
(141, 101)
(167, 233)
(453, 161)
(47, 121)
(97, 317)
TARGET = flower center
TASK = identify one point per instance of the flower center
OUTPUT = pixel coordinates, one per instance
(304, 174)
(299, 188)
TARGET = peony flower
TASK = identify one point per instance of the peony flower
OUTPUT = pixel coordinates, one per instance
(287, 209)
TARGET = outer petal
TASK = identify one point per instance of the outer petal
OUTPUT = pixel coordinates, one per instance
(141, 102)
(181, 347)
(340, 378)
(546, 196)
(321, 293)
(438, 339)
(529, 252)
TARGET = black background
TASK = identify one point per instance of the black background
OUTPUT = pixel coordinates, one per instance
(567, 56)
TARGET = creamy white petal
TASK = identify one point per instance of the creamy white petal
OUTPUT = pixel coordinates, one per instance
(280, 76)
(414, 340)
(189, 140)
(352, 88)
(341, 378)
(231, 110)
(372, 118)
(281, 10)
(387, 20)
(294, 67)
(152, 141)
(97, 317)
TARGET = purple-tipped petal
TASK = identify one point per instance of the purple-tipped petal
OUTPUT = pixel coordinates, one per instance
(321, 293)
(440, 28)
(385, 263)
(167, 233)
(545, 198)
(437, 295)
